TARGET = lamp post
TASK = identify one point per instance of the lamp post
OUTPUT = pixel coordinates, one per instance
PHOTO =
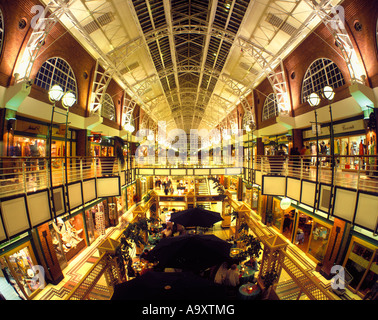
(314, 100)
(68, 99)
(129, 127)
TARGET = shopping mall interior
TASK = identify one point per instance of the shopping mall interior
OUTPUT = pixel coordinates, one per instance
(221, 150)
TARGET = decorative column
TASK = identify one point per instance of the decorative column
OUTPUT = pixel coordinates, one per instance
(115, 272)
(270, 263)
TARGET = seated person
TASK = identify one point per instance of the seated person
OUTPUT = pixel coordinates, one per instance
(232, 276)
(220, 276)
(252, 262)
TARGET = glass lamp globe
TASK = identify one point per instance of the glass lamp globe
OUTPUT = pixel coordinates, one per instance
(328, 93)
(69, 99)
(248, 128)
(151, 137)
(313, 99)
(55, 93)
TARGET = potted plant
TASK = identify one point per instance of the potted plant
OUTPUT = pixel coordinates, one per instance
(268, 280)
(220, 188)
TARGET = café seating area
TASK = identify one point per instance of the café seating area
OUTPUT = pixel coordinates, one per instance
(243, 287)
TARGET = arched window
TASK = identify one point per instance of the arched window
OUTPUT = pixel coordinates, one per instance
(322, 72)
(270, 108)
(108, 109)
(56, 71)
(1, 30)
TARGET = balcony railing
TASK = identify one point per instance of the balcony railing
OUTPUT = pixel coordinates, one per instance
(23, 175)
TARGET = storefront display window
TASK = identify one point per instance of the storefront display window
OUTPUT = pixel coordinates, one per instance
(71, 233)
(352, 146)
(19, 269)
(247, 195)
(361, 263)
(319, 241)
(27, 147)
(131, 193)
(95, 221)
(277, 215)
(58, 247)
(302, 236)
(255, 198)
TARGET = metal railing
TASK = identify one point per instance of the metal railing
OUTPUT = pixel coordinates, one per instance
(356, 172)
(23, 175)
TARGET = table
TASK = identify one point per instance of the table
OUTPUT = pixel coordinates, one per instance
(234, 252)
(154, 239)
(249, 291)
(246, 274)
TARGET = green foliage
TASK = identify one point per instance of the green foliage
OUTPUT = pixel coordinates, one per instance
(220, 188)
(253, 247)
(270, 278)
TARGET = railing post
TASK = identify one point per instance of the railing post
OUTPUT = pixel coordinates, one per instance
(24, 176)
(81, 169)
(360, 162)
(95, 167)
(46, 163)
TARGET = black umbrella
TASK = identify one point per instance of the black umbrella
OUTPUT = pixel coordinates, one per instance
(190, 252)
(196, 217)
(168, 286)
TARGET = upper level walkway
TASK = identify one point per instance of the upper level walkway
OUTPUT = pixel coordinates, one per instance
(25, 175)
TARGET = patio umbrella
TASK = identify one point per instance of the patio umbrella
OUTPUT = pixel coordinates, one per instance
(196, 217)
(190, 252)
(168, 286)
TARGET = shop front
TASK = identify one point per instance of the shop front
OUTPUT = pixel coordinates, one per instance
(361, 262)
(252, 197)
(30, 138)
(350, 143)
(308, 233)
(274, 143)
(100, 216)
(19, 270)
(68, 237)
(131, 195)
(101, 146)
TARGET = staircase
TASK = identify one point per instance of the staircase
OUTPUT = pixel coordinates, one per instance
(203, 189)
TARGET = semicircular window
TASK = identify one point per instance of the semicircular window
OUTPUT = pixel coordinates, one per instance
(270, 108)
(108, 109)
(322, 72)
(56, 71)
